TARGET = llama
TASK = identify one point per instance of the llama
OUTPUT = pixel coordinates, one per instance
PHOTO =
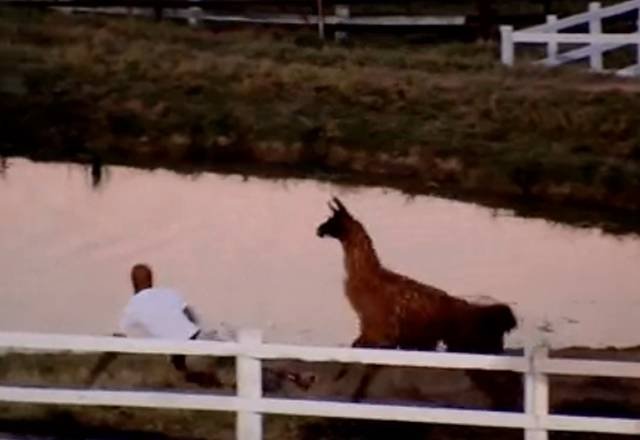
(395, 311)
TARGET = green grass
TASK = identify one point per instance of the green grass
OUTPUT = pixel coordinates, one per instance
(441, 116)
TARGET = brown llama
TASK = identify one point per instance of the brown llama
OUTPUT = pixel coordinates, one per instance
(398, 312)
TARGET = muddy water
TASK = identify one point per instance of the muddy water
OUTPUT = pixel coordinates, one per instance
(244, 252)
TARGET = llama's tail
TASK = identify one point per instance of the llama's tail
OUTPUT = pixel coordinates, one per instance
(480, 329)
(498, 317)
(502, 389)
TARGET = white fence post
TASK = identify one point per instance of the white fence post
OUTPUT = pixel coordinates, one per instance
(342, 12)
(595, 27)
(194, 16)
(320, 19)
(552, 46)
(638, 45)
(65, 10)
(249, 383)
(536, 393)
(506, 45)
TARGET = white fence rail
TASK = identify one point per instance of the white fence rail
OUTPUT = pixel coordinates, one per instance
(341, 17)
(597, 42)
(250, 405)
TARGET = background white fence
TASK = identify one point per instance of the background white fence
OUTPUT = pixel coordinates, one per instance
(249, 403)
(595, 42)
(341, 17)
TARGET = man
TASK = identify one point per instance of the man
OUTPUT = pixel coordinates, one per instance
(155, 312)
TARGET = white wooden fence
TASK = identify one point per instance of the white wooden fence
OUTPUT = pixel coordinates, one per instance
(249, 403)
(341, 17)
(595, 42)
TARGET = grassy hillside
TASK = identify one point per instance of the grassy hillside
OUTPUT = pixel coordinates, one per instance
(442, 118)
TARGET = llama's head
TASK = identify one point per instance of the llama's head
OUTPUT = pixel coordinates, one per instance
(336, 226)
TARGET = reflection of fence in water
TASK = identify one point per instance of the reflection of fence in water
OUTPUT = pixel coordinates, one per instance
(249, 404)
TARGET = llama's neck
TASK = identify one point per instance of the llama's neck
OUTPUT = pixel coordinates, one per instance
(360, 256)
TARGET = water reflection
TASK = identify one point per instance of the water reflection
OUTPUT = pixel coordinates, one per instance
(96, 172)
(244, 251)
(4, 165)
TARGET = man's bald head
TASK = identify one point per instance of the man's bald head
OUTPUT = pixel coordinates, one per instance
(141, 277)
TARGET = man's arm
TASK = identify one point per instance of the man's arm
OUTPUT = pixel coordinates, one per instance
(191, 316)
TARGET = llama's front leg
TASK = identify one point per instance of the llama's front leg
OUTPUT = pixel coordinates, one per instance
(361, 342)
(371, 371)
(364, 341)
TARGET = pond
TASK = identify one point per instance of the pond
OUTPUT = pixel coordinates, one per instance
(243, 251)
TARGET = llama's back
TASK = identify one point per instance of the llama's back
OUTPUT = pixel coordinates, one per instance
(421, 311)
(404, 283)
(417, 295)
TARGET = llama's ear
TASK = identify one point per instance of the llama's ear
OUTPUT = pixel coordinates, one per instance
(340, 206)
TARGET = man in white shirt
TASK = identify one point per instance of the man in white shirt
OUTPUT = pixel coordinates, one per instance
(153, 312)
(157, 312)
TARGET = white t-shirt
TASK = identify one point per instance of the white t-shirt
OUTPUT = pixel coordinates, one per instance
(157, 313)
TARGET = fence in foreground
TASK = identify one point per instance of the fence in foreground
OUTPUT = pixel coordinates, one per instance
(250, 405)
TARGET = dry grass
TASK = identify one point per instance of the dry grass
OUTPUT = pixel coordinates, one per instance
(127, 372)
(569, 395)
